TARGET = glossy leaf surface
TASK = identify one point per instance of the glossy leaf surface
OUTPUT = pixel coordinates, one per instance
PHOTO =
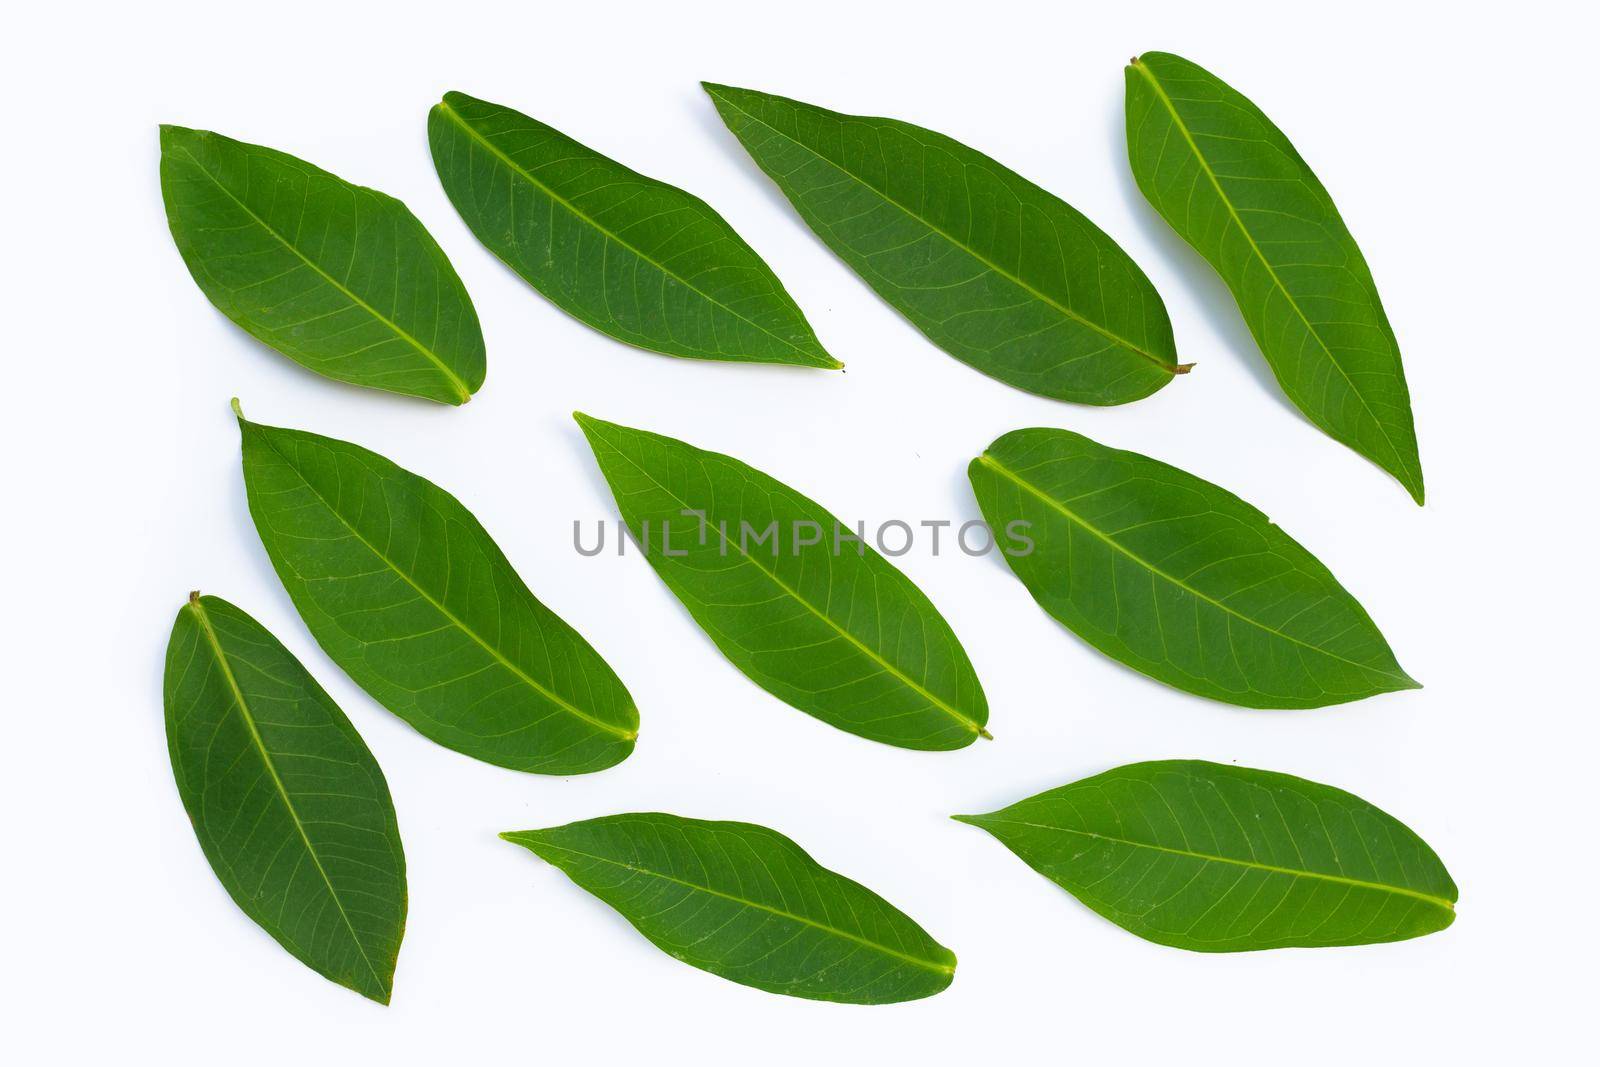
(1215, 858)
(337, 277)
(749, 905)
(993, 269)
(635, 258)
(1177, 577)
(407, 592)
(291, 809)
(1233, 186)
(841, 635)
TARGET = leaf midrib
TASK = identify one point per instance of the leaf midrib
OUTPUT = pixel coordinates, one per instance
(248, 719)
(999, 468)
(450, 376)
(1359, 883)
(451, 617)
(1117, 339)
(938, 968)
(1216, 183)
(794, 594)
(589, 220)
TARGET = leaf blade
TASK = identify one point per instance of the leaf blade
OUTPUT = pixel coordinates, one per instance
(1124, 842)
(765, 914)
(1301, 281)
(1037, 314)
(1271, 626)
(718, 299)
(406, 591)
(325, 797)
(797, 623)
(342, 279)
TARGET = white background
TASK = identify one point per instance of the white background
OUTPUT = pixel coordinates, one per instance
(1459, 146)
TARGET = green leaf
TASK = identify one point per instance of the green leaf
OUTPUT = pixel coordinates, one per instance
(994, 270)
(290, 808)
(407, 592)
(1177, 577)
(1214, 858)
(635, 258)
(810, 613)
(749, 905)
(1233, 186)
(339, 278)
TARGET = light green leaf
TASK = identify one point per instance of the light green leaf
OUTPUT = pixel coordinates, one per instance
(748, 904)
(337, 277)
(993, 269)
(635, 258)
(290, 808)
(1215, 858)
(809, 613)
(407, 592)
(1177, 577)
(1233, 186)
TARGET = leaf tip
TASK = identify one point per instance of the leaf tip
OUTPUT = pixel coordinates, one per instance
(983, 732)
(238, 412)
(722, 93)
(1183, 368)
(194, 597)
(589, 424)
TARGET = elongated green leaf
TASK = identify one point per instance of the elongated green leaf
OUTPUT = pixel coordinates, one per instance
(1177, 577)
(407, 592)
(337, 277)
(290, 808)
(1233, 186)
(996, 271)
(748, 904)
(810, 613)
(1215, 858)
(633, 257)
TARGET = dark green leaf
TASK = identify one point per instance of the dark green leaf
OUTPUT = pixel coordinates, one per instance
(635, 258)
(1177, 577)
(337, 277)
(1214, 858)
(290, 808)
(407, 592)
(996, 271)
(815, 618)
(748, 904)
(1233, 186)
